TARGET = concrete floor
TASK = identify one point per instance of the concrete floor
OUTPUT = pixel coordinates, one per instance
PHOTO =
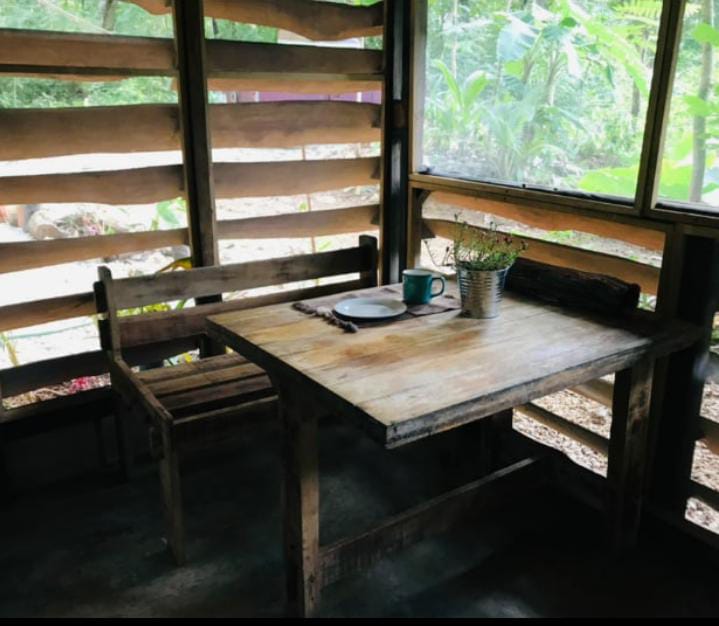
(90, 548)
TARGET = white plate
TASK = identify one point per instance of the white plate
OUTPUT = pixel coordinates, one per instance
(370, 308)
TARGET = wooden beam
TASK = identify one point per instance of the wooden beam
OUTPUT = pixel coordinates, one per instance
(562, 425)
(39, 133)
(199, 183)
(348, 556)
(708, 496)
(710, 434)
(155, 184)
(645, 276)
(143, 290)
(232, 65)
(395, 141)
(556, 220)
(26, 314)
(24, 255)
(320, 21)
(599, 390)
(357, 219)
(138, 330)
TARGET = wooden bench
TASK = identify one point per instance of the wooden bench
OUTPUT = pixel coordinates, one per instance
(188, 401)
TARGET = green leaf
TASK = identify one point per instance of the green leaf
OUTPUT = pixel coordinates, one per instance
(514, 68)
(617, 181)
(704, 33)
(699, 107)
(515, 39)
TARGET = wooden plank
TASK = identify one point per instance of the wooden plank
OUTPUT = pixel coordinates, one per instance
(628, 452)
(301, 500)
(151, 327)
(199, 191)
(26, 314)
(599, 390)
(321, 21)
(547, 219)
(232, 65)
(39, 133)
(134, 292)
(32, 376)
(708, 496)
(183, 384)
(236, 391)
(710, 434)
(562, 425)
(352, 555)
(298, 225)
(25, 255)
(395, 141)
(155, 184)
(646, 276)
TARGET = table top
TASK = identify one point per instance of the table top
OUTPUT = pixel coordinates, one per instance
(413, 378)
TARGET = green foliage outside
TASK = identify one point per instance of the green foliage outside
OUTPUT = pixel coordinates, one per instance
(554, 93)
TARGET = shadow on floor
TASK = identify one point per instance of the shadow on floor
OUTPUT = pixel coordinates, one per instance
(92, 548)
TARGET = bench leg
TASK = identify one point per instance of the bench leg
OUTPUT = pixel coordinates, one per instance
(628, 449)
(123, 431)
(172, 496)
(301, 503)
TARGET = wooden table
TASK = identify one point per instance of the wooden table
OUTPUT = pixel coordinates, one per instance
(418, 377)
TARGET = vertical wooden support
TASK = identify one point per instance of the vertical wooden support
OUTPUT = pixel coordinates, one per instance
(693, 296)
(418, 72)
(370, 278)
(172, 495)
(416, 230)
(301, 500)
(189, 22)
(627, 464)
(395, 140)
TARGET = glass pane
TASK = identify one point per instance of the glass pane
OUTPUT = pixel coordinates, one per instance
(548, 94)
(690, 169)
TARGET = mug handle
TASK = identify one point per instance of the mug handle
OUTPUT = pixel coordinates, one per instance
(444, 285)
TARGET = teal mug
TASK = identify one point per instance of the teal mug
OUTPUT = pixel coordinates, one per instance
(417, 286)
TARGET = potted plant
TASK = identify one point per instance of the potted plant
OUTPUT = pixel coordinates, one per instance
(482, 259)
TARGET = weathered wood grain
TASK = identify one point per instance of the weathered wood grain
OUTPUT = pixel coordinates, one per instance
(324, 21)
(26, 314)
(155, 184)
(533, 350)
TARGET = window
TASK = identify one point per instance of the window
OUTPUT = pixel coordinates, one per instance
(548, 94)
(690, 168)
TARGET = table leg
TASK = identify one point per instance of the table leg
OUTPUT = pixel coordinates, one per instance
(301, 502)
(628, 445)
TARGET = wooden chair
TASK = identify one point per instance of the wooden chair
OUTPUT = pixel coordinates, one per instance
(208, 395)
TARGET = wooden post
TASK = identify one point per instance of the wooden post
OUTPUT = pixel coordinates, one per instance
(627, 463)
(172, 494)
(301, 501)
(395, 145)
(692, 295)
(189, 22)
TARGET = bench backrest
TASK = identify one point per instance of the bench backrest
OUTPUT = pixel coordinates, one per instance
(113, 296)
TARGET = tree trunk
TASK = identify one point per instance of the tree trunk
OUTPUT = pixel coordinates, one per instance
(699, 148)
(109, 15)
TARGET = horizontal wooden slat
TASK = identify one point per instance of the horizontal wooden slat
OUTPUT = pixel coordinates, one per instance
(24, 255)
(349, 556)
(547, 219)
(321, 21)
(296, 225)
(710, 434)
(162, 326)
(18, 380)
(600, 391)
(705, 494)
(38, 133)
(155, 184)
(205, 281)
(562, 425)
(231, 65)
(48, 310)
(646, 276)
